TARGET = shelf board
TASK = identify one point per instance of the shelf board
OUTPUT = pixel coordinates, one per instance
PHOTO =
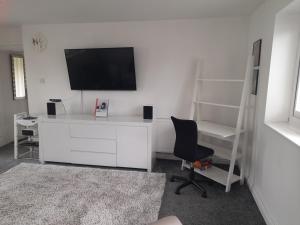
(220, 80)
(216, 174)
(220, 152)
(29, 144)
(217, 104)
(215, 130)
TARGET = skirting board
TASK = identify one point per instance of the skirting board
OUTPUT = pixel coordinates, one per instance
(262, 207)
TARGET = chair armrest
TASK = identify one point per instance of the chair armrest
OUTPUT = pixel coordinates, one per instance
(170, 220)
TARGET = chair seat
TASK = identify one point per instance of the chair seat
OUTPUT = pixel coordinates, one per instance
(203, 152)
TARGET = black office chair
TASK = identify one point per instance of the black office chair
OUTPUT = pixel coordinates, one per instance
(186, 148)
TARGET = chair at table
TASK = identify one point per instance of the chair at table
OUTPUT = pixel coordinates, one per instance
(187, 148)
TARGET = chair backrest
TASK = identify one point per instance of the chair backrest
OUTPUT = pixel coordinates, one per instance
(186, 139)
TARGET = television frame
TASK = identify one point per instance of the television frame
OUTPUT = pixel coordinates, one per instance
(134, 87)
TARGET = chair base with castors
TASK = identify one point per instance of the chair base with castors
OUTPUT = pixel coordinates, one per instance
(189, 181)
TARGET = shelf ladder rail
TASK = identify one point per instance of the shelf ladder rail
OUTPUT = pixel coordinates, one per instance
(242, 115)
(241, 121)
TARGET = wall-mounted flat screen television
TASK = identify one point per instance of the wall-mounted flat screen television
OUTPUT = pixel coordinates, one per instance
(101, 68)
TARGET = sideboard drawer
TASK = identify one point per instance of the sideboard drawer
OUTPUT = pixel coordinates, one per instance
(92, 158)
(93, 145)
(92, 131)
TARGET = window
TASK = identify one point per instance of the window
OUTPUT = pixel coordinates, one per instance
(18, 76)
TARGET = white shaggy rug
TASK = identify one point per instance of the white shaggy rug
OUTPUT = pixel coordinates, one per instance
(34, 194)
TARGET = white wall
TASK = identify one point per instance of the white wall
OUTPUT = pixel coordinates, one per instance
(10, 41)
(8, 106)
(11, 38)
(165, 56)
(276, 161)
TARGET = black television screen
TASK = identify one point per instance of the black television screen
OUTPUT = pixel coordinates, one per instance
(101, 68)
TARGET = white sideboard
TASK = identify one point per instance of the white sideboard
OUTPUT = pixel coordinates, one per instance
(84, 139)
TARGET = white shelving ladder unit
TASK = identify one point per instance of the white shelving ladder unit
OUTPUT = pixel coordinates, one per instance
(222, 132)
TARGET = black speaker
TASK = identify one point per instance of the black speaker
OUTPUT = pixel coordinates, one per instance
(148, 112)
(51, 109)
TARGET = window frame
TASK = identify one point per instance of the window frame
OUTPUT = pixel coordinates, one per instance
(294, 119)
(12, 56)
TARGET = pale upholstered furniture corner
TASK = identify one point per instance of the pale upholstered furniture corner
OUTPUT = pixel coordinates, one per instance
(170, 220)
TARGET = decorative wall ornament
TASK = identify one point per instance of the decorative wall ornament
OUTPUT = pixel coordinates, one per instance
(256, 52)
(39, 42)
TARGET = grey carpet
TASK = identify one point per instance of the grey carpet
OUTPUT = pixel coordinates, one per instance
(235, 208)
(220, 208)
(7, 160)
(34, 194)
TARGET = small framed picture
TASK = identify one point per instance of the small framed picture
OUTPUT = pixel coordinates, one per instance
(255, 76)
(256, 52)
(101, 108)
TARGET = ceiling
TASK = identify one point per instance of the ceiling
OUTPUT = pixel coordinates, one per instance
(18, 12)
(293, 7)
